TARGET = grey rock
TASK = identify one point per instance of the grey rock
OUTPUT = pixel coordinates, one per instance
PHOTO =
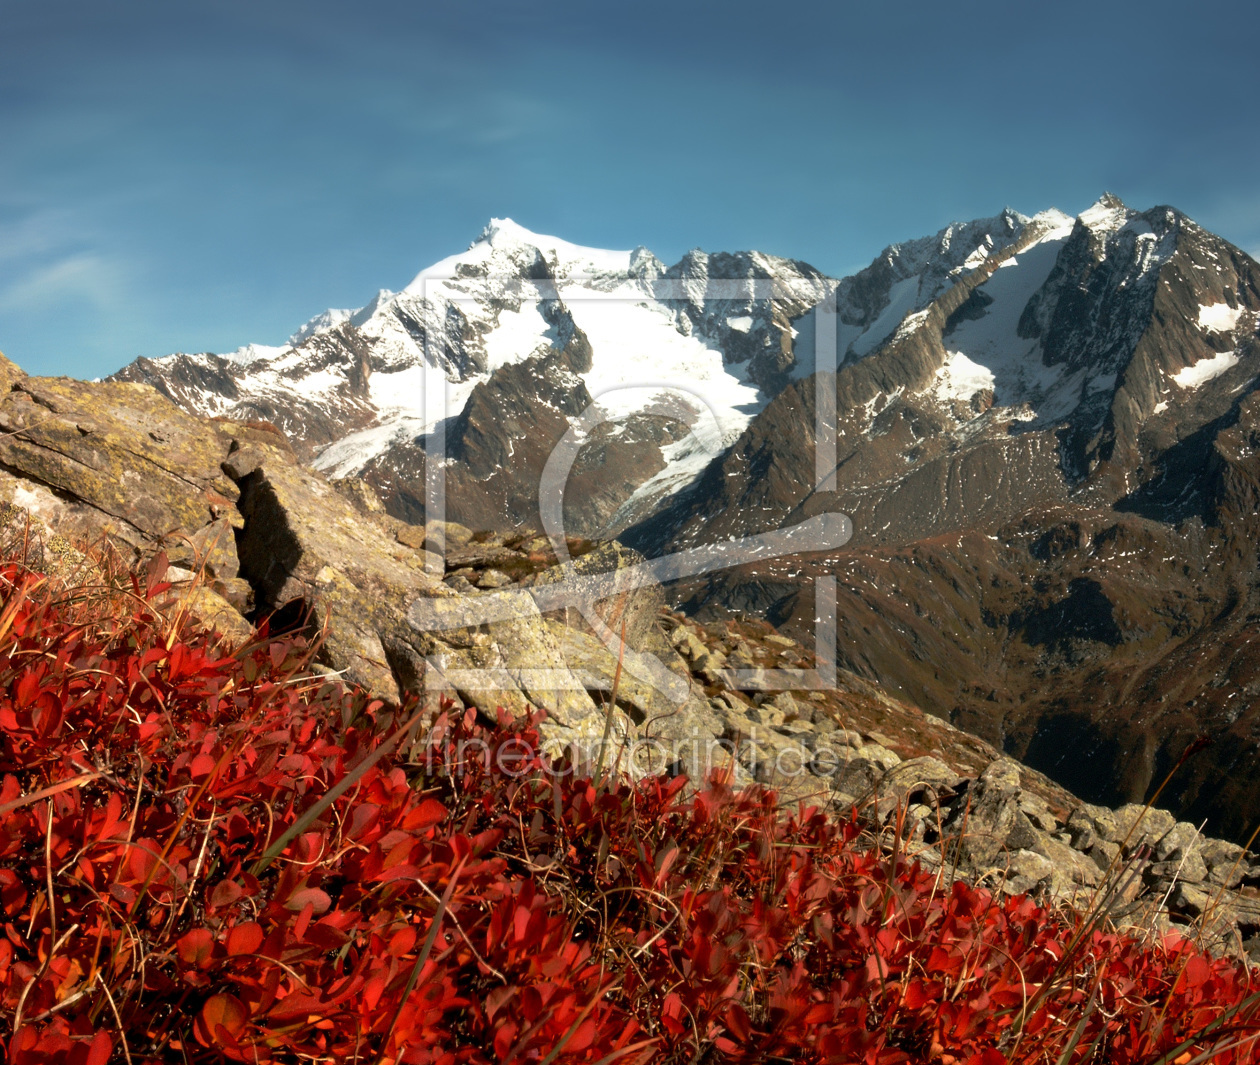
(1190, 868)
(1181, 839)
(493, 578)
(1026, 871)
(1141, 825)
(863, 770)
(767, 714)
(1073, 868)
(1104, 853)
(1224, 861)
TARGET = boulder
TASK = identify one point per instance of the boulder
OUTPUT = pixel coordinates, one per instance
(305, 547)
(1225, 861)
(862, 771)
(518, 664)
(1072, 869)
(118, 460)
(637, 610)
(597, 665)
(1027, 871)
(1139, 825)
(987, 814)
(190, 594)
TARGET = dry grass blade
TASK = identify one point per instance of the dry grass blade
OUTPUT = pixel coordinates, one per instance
(44, 793)
(612, 698)
(39, 975)
(423, 956)
(1220, 1022)
(1079, 1032)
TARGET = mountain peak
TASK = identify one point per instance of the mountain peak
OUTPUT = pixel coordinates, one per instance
(504, 232)
(1108, 213)
(498, 249)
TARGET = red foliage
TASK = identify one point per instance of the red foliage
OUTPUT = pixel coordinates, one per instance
(476, 902)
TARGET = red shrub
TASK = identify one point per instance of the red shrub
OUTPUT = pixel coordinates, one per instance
(199, 859)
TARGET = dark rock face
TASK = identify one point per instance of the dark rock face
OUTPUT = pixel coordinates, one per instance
(763, 338)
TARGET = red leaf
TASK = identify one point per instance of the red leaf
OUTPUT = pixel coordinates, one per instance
(245, 938)
(26, 689)
(220, 1011)
(225, 893)
(143, 858)
(303, 921)
(429, 812)
(402, 942)
(672, 1014)
(123, 893)
(202, 766)
(318, 900)
(1198, 971)
(196, 948)
(102, 1046)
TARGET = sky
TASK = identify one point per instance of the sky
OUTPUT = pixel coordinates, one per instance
(197, 175)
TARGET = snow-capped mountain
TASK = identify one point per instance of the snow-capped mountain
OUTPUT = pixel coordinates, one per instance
(1058, 358)
(1052, 463)
(1024, 339)
(701, 346)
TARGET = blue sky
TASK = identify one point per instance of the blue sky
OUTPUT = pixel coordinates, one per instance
(196, 175)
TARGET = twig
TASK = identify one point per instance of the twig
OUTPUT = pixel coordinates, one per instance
(52, 901)
(17, 1013)
(460, 928)
(122, 1032)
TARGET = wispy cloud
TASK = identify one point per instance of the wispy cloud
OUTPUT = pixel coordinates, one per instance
(33, 235)
(81, 278)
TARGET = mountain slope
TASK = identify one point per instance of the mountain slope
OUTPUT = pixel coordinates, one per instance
(1052, 470)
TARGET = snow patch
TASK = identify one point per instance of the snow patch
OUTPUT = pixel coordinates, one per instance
(959, 378)
(1206, 369)
(255, 352)
(1219, 317)
(505, 237)
(638, 354)
(321, 323)
(1056, 224)
(1011, 364)
(978, 256)
(519, 334)
(902, 300)
(1106, 216)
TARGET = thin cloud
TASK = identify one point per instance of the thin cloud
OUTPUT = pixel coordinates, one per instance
(37, 235)
(80, 278)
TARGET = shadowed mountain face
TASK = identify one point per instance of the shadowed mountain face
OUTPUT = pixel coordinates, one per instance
(1046, 431)
(1054, 475)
